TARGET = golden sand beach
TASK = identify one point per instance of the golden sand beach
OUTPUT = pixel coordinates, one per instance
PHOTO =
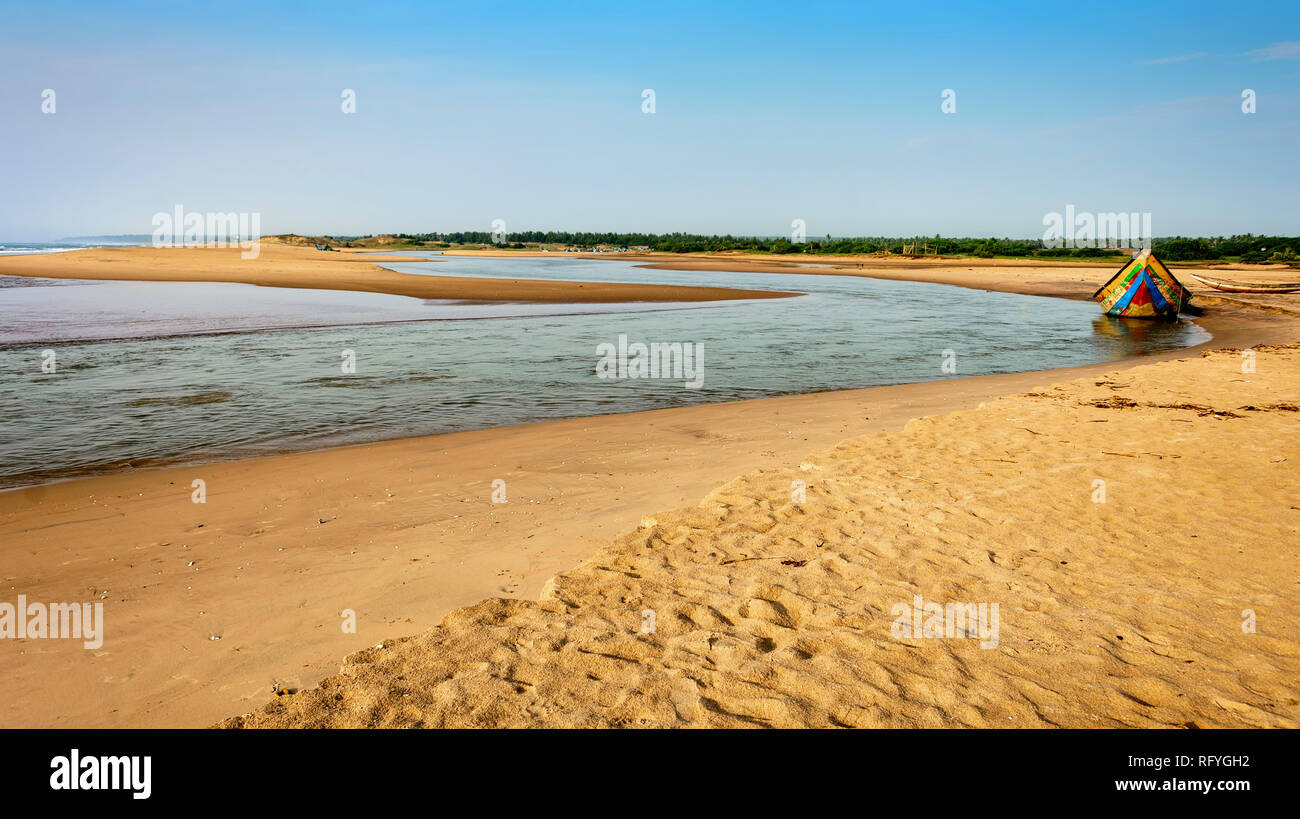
(1167, 600)
(767, 611)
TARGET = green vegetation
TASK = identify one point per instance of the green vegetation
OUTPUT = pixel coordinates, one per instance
(1244, 248)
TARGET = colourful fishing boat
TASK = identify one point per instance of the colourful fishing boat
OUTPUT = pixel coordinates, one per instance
(1143, 288)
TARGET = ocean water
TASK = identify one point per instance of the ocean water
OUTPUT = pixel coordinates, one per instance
(156, 373)
(17, 248)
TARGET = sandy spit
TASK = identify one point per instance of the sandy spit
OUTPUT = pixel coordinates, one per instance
(279, 265)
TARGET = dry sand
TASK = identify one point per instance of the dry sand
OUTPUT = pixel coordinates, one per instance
(404, 532)
(280, 265)
(774, 611)
(409, 534)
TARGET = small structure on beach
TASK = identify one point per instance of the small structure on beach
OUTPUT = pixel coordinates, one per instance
(1143, 288)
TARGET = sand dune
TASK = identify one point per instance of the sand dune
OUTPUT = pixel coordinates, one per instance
(773, 612)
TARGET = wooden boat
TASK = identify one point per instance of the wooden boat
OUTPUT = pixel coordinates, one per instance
(1144, 288)
(1248, 287)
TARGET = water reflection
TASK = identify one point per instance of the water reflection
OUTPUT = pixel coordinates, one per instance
(1137, 337)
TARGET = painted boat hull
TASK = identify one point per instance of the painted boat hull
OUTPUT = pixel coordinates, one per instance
(1143, 288)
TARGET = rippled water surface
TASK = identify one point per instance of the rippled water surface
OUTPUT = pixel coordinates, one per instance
(153, 373)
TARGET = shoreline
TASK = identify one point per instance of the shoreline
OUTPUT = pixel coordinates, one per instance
(1228, 326)
(279, 265)
(1069, 279)
(1051, 289)
(1076, 281)
(286, 542)
(300, 521)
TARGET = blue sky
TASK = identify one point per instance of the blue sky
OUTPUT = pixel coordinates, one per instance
(765, 112)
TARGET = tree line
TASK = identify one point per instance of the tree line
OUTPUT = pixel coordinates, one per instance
(1245, 247)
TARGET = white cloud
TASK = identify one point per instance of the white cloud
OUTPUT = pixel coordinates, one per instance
(1181, 58)
(1277, 51)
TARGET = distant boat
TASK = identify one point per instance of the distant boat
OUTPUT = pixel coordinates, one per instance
(1144, 288)
(1248, 287)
